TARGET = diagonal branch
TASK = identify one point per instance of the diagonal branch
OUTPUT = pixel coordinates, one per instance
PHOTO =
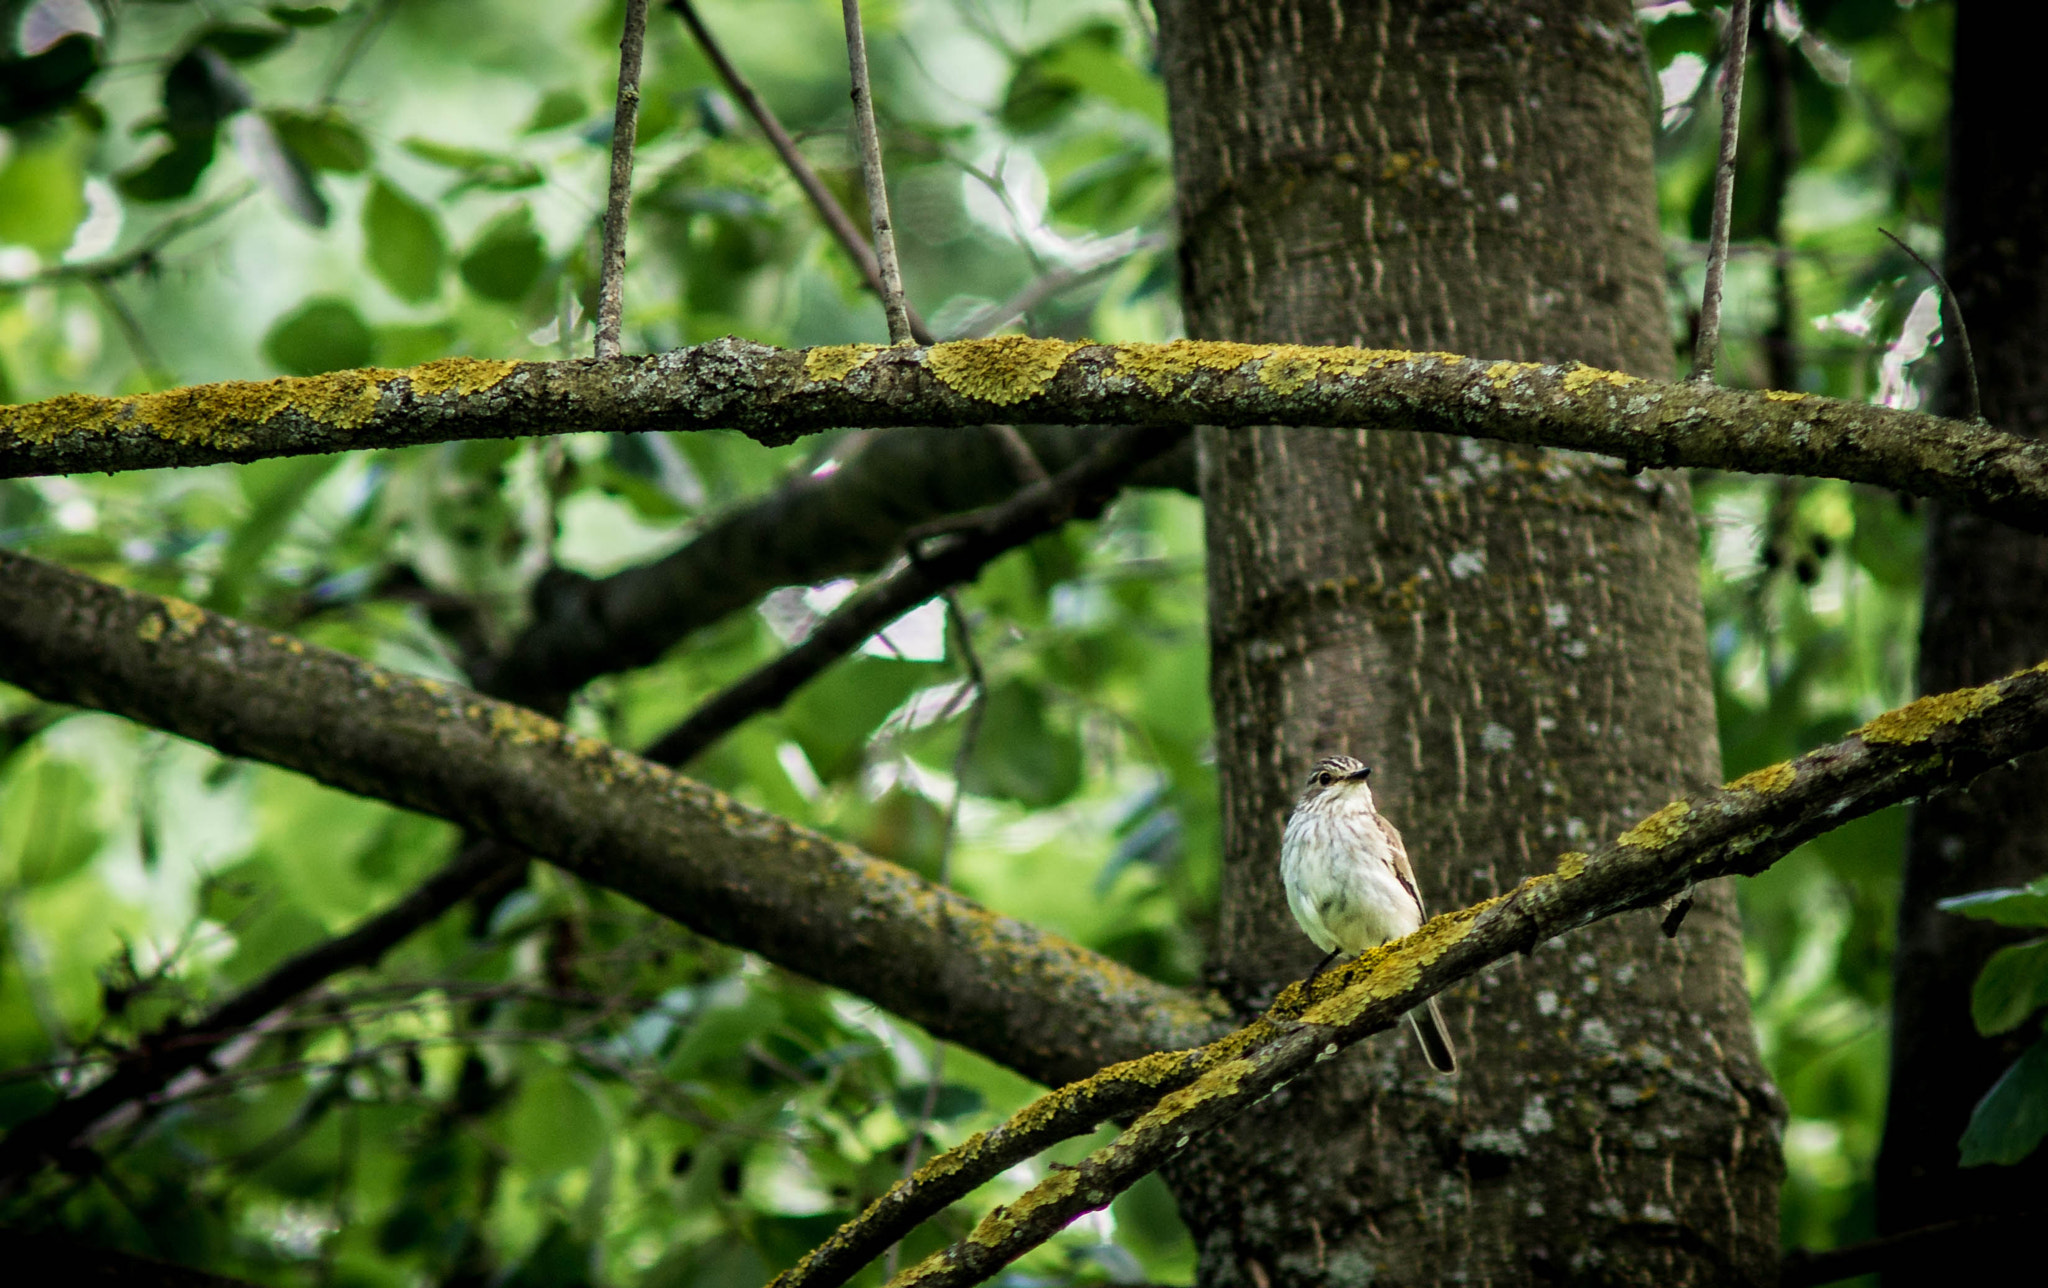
(1936, 743)
(1734, 62)
(1081, 491)
(814, 527)
(869, 141)
(1046, 1007)
(777, 396)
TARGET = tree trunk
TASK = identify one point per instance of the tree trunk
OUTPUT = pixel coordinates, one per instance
(1512, 637)
(1985, 614)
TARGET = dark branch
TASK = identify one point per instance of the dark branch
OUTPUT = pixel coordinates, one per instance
(1080, 491)
(1734, 63)
(814, 527)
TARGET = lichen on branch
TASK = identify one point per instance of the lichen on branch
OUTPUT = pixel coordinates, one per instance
(1741, 828)
(779, 395)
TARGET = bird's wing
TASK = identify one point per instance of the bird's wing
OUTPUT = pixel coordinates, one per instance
(1400, 856)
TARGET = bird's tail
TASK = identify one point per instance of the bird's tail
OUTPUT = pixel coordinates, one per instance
(1436, 1043)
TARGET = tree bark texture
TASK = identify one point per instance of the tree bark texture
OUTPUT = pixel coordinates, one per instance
(1512, 636)
(1986, 603)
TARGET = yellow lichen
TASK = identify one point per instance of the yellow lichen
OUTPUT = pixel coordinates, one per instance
(1660, 829)
(1768, 781)
(1005, 370)
(1502, 374)
(998, 1224)
(1579, 379)
(1916, 720)
(185, 619)
(151, 630)
(832, 363)
(462, 375)
(344, 399)
(1158, 366)
(1395, 968)
(1571, 863)
(1783, 395)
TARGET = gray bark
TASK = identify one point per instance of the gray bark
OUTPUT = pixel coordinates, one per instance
(1511, 636)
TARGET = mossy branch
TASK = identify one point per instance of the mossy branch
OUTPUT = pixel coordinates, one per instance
(779, 395)
(1040, 1004)
(1741, 828)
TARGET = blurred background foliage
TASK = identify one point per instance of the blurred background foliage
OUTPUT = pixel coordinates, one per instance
(557, 1088)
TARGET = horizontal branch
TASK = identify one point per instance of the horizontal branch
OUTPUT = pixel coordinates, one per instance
(777, 396)
(1742, 828)
(1046, 1007)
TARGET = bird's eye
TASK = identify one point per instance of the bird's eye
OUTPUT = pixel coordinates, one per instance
(1322, 778)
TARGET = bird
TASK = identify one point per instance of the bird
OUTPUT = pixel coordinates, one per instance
(1348, 882)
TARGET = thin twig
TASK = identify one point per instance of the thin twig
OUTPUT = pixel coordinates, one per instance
(143, 256)
(1955, 308)
(869, 141)
(837, 221)
(171, 1050)
(1038, 290)
(1708, 348)
(970, 729)
(153, 369)
(611, 291)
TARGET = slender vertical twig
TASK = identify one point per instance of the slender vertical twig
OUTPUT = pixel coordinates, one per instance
(1708, 348)
(611, 290)
(869, 142)
(1962, 329)
(1781, 114)
(970, 729)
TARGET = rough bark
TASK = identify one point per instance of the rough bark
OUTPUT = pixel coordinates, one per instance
(1043, 1005)
(1986, 603)
(1512, 636)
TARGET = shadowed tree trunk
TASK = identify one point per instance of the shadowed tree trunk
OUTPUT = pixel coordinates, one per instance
(1985, 614)
(1512, 637)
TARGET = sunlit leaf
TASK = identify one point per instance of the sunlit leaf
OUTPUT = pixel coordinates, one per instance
(506, 258)
(325, 334)
(402, 241)
(2012, 986)
(2025, 905)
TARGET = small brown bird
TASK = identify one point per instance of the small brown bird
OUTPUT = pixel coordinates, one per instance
(1349, 884)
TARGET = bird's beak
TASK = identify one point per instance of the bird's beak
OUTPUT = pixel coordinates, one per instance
(1360, 776)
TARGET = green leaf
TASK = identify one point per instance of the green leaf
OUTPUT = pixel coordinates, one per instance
(1019, 755)
(2013, 1116)
(954, 1100)
(311, 15)
(2012, 986)
(276, 489)
(506, 258)
(556, 1124)
(402, 241)
(557, 108)
(324, 334)
(47, 830)
(2025, 905)
(242, 42)
(833, 717)
(282, 171)
(170, 174)
(324, 140)
(42, 187)
(479, 169)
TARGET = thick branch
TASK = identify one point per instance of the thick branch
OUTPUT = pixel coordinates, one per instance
(777, 396)
(812, 528)
(1742, 828)
(1046, 1007)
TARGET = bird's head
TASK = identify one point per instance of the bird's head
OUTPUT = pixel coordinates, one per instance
(1338, 777)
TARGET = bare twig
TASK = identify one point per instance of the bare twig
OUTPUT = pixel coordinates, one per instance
(837, 221)
(970, 729)
(1708, 348)
(869, 142)
(611, 291)
(144, 255)
(169, 1051)
(1038, 290)
(1805, 1268)
(1955, 309)
(1081, 489)
(1781, 112)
